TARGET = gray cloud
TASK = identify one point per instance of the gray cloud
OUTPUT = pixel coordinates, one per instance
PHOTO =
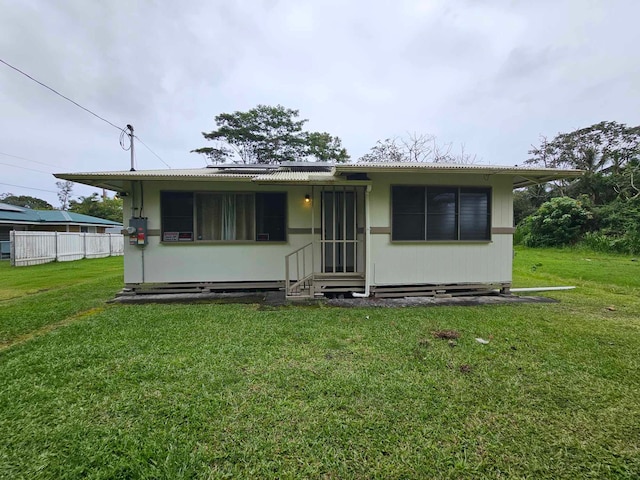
(490, 74)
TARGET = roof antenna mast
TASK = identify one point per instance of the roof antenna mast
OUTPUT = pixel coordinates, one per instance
(130, 134)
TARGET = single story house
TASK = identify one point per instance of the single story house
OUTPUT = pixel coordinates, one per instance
(384, 229)
(27, 219)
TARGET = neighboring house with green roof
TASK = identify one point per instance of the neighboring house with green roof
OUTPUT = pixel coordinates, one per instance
(26, 219)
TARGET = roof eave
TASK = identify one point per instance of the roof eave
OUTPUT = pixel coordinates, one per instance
(522, 177)
(521, 180)
(121, 182)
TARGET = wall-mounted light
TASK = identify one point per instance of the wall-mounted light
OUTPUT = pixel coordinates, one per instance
(307, 198)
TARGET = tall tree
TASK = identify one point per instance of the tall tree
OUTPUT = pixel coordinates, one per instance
(64, 193)
(609, 155)
(325, 148)
(267, 134)
(93, 205)
(25, 201)
(607, 152)
(387, 150)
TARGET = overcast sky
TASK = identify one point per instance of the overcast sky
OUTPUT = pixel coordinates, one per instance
(492, 75)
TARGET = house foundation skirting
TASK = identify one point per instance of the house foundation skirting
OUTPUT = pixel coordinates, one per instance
(439, 290)
(324, 285)
(199, 287)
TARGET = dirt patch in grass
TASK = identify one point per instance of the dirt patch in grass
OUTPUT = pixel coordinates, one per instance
(446, 334)
(465, 368)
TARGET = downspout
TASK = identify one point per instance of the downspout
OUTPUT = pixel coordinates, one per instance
(140, 213)
(367, 247)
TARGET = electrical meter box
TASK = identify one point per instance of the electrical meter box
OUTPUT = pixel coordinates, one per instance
(137, 231)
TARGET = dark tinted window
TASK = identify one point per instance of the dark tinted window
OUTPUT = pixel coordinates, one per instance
(442, 207)
(440, 213)
(475, 214)
(408, 218)
(177, 213)
(271, 217)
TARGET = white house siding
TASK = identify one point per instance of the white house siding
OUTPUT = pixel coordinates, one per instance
(395, 263)
(391, 262)
(211, 262)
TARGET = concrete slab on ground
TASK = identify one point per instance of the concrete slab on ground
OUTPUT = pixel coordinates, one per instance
(278, 299)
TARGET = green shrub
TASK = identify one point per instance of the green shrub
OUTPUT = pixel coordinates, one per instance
(558, 222)
(519, 235)
(616, 227)
(618, 217)
(598, 242)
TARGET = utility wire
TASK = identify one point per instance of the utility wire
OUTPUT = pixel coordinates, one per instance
(29, 160)
(61, 95)
(25, 168)
(28, 188)
(147, 147)
(78, 105)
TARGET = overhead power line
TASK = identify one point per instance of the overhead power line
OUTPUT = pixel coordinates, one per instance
(28, 188)
(25, 168)
(61, 95)
(78, 105)
(28, 160)
(147, 147)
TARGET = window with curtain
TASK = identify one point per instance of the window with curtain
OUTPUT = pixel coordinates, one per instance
(225, 216)
(423, 213)
(193, 216)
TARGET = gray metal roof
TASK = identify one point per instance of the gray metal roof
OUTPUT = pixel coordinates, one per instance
(296, 177)
(310, 172)
(20, 215)
(402, 166)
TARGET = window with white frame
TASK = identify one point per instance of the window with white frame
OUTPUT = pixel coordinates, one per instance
(434, 213)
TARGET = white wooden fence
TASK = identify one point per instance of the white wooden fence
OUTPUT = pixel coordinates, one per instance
(33, 248)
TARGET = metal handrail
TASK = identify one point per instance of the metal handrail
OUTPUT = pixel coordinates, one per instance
(302, 276)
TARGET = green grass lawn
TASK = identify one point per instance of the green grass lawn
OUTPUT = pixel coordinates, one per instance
(217, 391)
(39, 297)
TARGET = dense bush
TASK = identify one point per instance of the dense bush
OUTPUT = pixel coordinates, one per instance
(558, 222)
(629, 243)
(616, 227)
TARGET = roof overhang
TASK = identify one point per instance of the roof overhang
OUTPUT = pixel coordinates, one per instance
(121, 181)
(522, 176)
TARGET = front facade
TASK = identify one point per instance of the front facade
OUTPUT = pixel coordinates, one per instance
(315, 229)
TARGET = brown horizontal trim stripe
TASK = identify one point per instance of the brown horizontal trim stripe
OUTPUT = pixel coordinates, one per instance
(503, 230)
(301, 231)
(374, 231)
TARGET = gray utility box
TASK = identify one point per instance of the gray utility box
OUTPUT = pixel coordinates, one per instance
(137, 231)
